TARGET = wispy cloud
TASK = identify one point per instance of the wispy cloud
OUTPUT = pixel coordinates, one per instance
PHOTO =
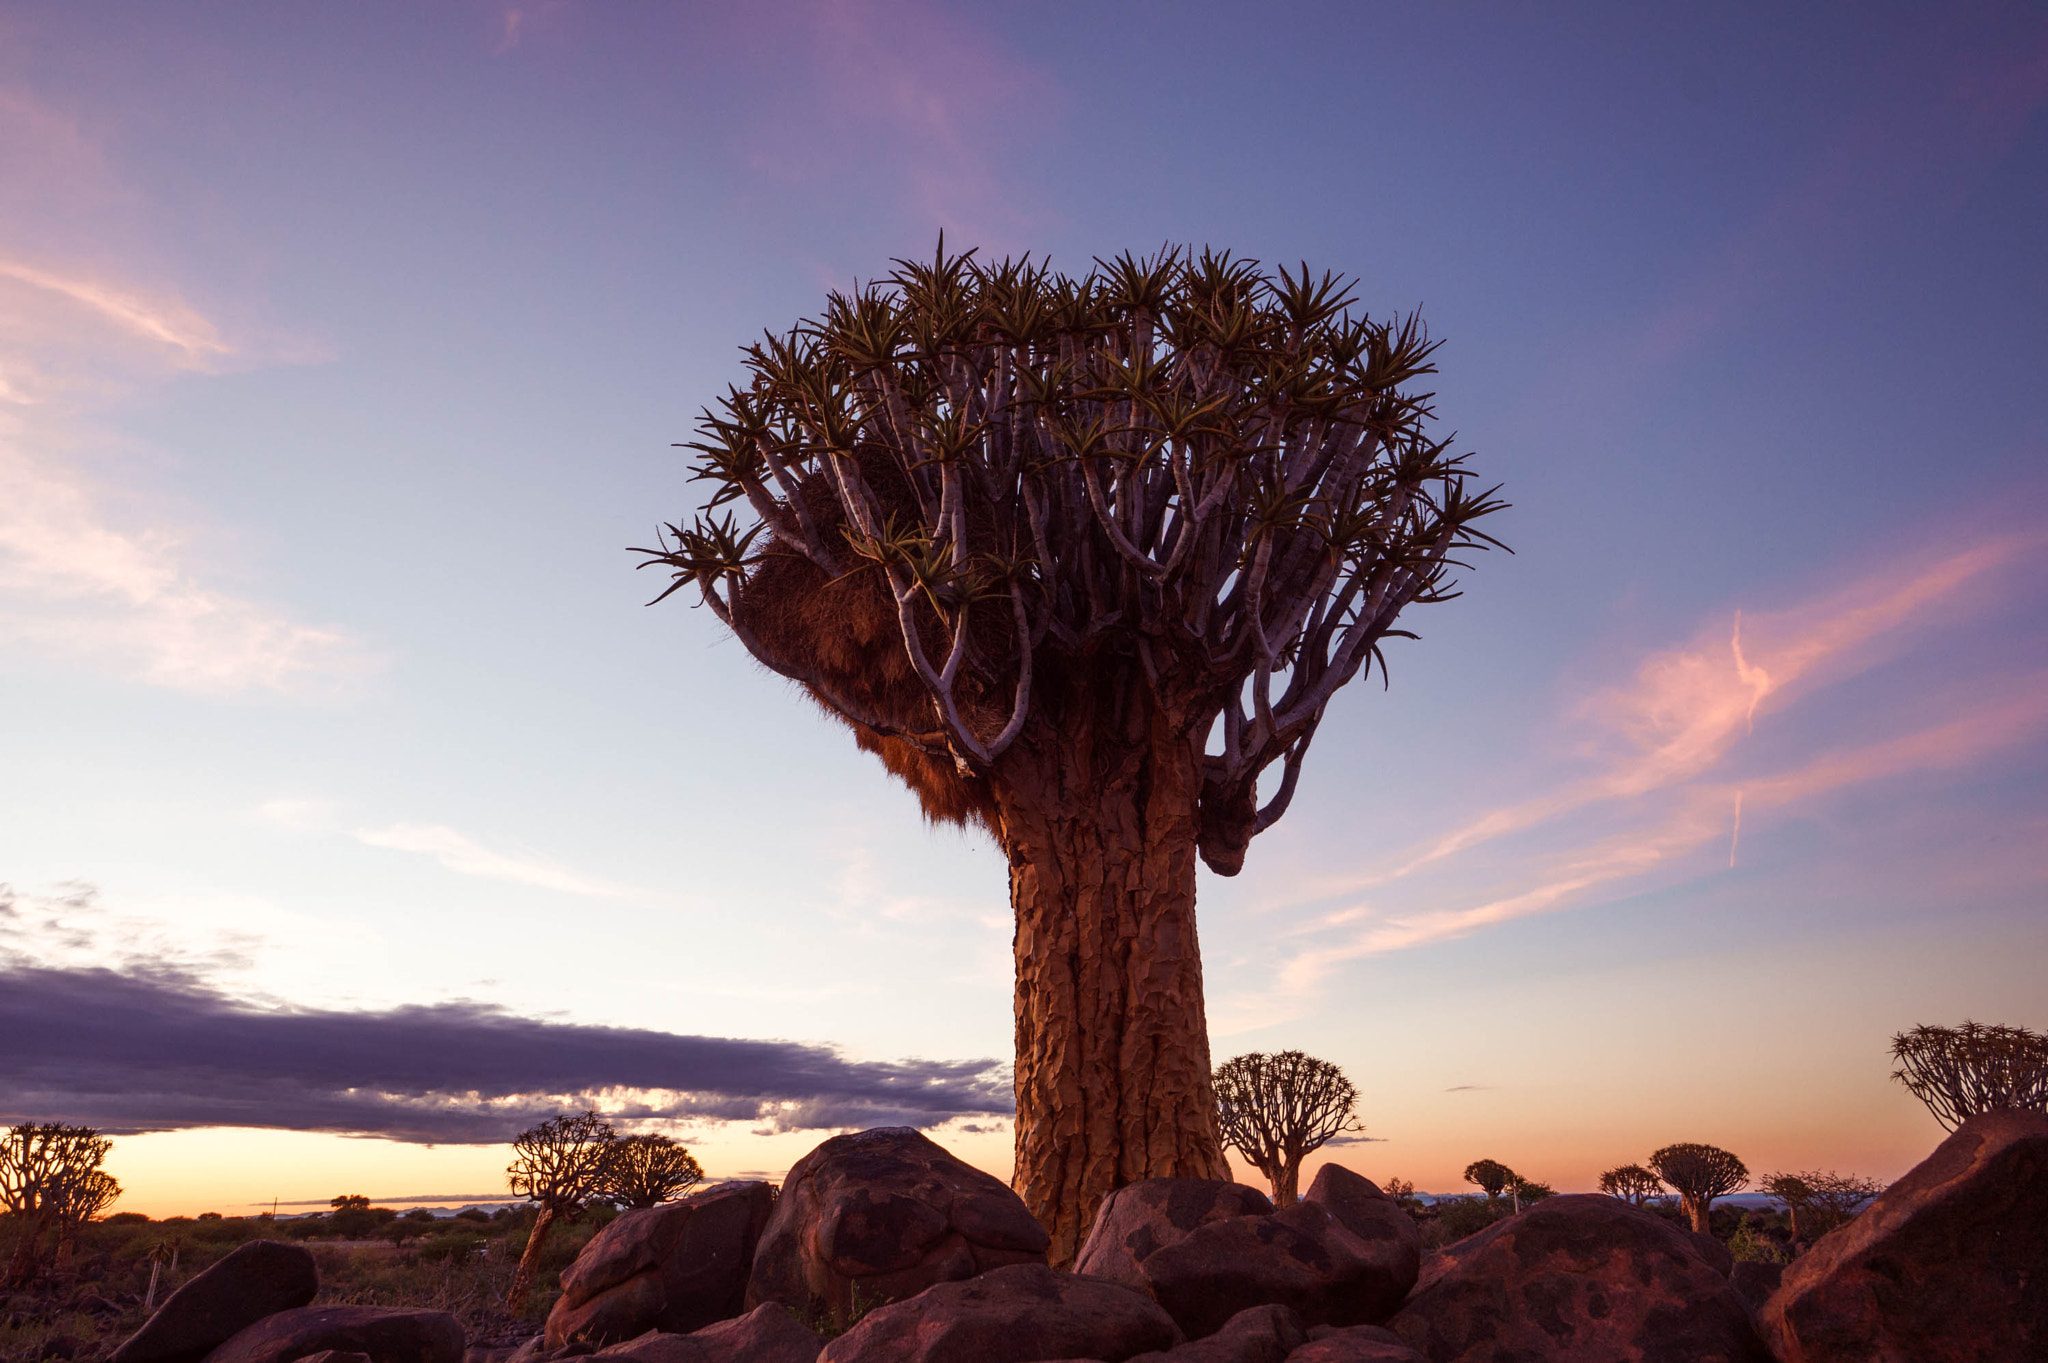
(1685, 708)
(90, 570)
(1665, 783)
(191, 339)
(465, 856)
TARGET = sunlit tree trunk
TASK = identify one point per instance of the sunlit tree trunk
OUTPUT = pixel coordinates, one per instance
(522, 1277)
(1695, 1209)
(1287, 1187)
(1112, 1036)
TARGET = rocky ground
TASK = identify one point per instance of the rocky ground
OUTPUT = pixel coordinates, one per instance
(883, 1248)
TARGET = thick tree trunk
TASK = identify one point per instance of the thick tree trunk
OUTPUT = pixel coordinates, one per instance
(1112, 1037)
(27, 1262)
(1287, 1188)
(1696, 1209)
(522, 1277)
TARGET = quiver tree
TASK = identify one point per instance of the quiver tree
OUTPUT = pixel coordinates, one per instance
(647, 1170)
(1699, 1173)
(1962, 1071)
(558, 1166)
(1816, 1202)
(81, 1196)
(1276, 1109)
(1079, 560)
(42, 1168)
(1632, 1183)
(1489, 1176)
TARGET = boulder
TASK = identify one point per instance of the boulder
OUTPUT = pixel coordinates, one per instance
(767, 1334)
(254, 1280)
(676, 1268)
(1141, 1218)
(1356, 1344)
(1718, 1256)
(1754, 1281)
(1302, 1258)
(1022, 1313)
(1583, 1278)
(335, 1356)
(882, 1215)
(1393, 1240)
(1950, 1262)
(387, 1335)
(1260, 1334)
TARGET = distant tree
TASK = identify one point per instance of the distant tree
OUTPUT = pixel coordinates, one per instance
(43, 1168)
(648, 1169)
(1078, 559)
(349, 1202)
(1818, 1201)
(1962, 1071)
(1489, 1176)
(1700, 1173)
(1529, 1190)
(1277, 1109)
(558, 1166)
(80, 1196)
(1797, 1196)
(1632, 1183)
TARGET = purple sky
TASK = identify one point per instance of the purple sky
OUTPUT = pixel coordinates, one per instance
(341, 352)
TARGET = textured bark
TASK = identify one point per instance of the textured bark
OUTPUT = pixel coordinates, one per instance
(1695, 1207)
(1287, 1188)
(522, 1278)
(1112, 1035)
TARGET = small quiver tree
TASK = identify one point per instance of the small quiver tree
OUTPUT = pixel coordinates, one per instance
(42, 1167)
(1277, 1109)
(1632, 1183)
(82, 1197)
(1700, 1173)
(647, 1170)
(558, 1166)
(1817, 1201)
(1962, 1071)
(1079, 559)
(1489, 1176)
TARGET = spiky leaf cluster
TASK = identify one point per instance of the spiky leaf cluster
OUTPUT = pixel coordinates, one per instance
(1699, 1172)
(1977, 1067)
(1220, 477)
(1632, 1183)
(1281, 1106)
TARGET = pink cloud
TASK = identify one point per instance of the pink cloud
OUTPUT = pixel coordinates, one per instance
(1664, 788)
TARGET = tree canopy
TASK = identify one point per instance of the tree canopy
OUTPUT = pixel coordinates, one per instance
(1962, 1071)
(1489, 1176)
(647, 1170)
(966, 475)
(1632, 1183)
(1700, 1173)
(1275, 1109)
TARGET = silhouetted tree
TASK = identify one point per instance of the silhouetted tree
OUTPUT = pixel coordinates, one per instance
(1632, 1183)
(646, 1170)
(1699, 1173)
(1962, 1071)
(1078, 559)
(42, 1166)
(1817, 1201)
(1277, 1109)
(1489, 1176)
(80, 1195)
(558, 1166)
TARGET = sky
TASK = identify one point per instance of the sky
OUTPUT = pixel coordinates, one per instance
(357, 811)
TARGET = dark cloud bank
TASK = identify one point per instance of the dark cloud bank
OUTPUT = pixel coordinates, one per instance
(129, 1052)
